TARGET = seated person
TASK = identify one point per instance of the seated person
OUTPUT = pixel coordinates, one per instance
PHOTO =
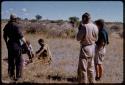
(44, 51)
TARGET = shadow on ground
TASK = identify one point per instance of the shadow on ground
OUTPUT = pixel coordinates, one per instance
(59, 78)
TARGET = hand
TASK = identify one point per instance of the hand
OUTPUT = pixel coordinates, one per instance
(107, 42)
(30, 61)
(33, 55)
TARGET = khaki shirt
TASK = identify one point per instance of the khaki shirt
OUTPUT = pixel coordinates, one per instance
(87, 34)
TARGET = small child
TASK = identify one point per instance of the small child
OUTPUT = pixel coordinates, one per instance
(44, 51)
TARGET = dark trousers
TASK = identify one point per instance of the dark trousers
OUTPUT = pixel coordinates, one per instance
(14, 60)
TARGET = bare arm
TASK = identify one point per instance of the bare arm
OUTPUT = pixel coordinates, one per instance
(50, 54)
(81, 33)
(40, 50)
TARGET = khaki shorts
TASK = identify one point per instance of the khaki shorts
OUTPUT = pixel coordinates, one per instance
(99, 55)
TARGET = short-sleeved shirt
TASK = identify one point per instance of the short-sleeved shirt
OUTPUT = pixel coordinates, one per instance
(103, 37)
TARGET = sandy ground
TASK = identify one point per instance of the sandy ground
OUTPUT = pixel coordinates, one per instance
(65, 61)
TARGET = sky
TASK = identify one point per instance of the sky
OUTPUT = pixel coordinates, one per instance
(56, 10)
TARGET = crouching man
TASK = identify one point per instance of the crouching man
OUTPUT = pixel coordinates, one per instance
(44, 51)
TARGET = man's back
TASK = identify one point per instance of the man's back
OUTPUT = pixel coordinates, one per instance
(13, 30)
(89, 33)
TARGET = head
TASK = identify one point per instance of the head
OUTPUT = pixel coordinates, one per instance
(13, 17)
(86, 18)
(40, 41)
(100, 23)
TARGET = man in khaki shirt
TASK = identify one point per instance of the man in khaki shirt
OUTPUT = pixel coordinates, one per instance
(87, 35)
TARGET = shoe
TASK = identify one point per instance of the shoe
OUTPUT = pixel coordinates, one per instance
(97, 78)
(12, 78)
(17, 78)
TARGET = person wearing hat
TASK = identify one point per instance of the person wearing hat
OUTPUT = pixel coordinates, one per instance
(87, 35)
(100, 48)
(12, 35)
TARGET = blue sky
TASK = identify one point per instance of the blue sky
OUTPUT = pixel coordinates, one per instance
(55, 10)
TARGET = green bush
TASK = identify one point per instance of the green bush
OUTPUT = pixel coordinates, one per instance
(31, 30)
(70, 33)
(33, 20)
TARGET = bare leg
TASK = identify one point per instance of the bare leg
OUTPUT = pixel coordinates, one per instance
(100, 70)
(97, 72)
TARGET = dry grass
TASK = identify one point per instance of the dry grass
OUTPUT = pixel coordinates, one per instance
(65, 61)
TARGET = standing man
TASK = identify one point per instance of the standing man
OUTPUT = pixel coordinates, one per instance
(12, 36)
(87, 35)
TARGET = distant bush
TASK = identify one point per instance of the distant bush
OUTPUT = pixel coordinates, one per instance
(57, 21)
(121, 35)
(60, 28)
(74, 21)
(31, 30)
(115, 28)
(70, 33)
(60, 22)
(33, 20)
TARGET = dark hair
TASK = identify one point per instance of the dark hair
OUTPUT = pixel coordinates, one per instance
(41, 41)
(86, 16)
(100, 22)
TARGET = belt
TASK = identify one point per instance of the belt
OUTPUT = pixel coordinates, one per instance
(86, 44)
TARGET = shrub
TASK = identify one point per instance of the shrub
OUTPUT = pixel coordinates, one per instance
(31, 30)
(121, 35)
(115, 28)
(33, 20)
(70, 33)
